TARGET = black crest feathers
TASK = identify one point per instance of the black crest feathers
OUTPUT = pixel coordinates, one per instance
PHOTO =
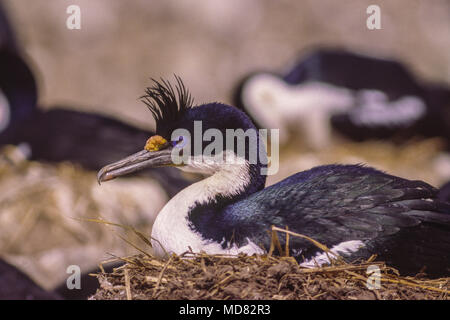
(166, 103)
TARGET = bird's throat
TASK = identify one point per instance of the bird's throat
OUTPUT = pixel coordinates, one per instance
(171, 231)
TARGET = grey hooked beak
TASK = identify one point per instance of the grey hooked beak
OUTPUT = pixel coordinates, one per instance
(138, 161)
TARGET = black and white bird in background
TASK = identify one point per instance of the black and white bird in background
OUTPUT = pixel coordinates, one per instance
(361, 97)
(354, 210)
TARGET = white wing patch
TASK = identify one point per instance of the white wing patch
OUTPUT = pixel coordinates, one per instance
(376, 110)
(343, 248)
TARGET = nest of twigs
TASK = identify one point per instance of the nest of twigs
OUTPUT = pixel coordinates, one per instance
(260, 277)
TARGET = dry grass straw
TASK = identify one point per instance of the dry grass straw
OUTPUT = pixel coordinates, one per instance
(41, 206)
(202, 276)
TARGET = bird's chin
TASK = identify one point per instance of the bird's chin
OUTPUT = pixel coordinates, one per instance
(196, 171)
(135, 162)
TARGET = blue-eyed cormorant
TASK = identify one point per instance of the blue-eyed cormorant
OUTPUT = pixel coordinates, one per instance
(361, 97)
(356, 211)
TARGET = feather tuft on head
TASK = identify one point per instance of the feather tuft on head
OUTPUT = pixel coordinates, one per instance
(166, 103)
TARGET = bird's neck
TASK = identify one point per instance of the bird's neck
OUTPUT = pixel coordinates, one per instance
(173, 227)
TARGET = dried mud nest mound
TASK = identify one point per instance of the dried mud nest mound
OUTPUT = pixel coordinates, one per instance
(201, 276)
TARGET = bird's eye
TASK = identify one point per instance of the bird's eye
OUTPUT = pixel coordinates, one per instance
(179, 142)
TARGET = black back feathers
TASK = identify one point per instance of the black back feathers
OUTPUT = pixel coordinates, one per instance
(166, 103)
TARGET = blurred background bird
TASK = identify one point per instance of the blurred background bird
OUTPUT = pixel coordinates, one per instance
(86, 83)
(361, 97)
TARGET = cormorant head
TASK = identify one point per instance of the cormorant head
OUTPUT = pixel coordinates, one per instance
(206, 139)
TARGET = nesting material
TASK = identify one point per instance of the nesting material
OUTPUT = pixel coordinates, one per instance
(204, 276)
(258, 277)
